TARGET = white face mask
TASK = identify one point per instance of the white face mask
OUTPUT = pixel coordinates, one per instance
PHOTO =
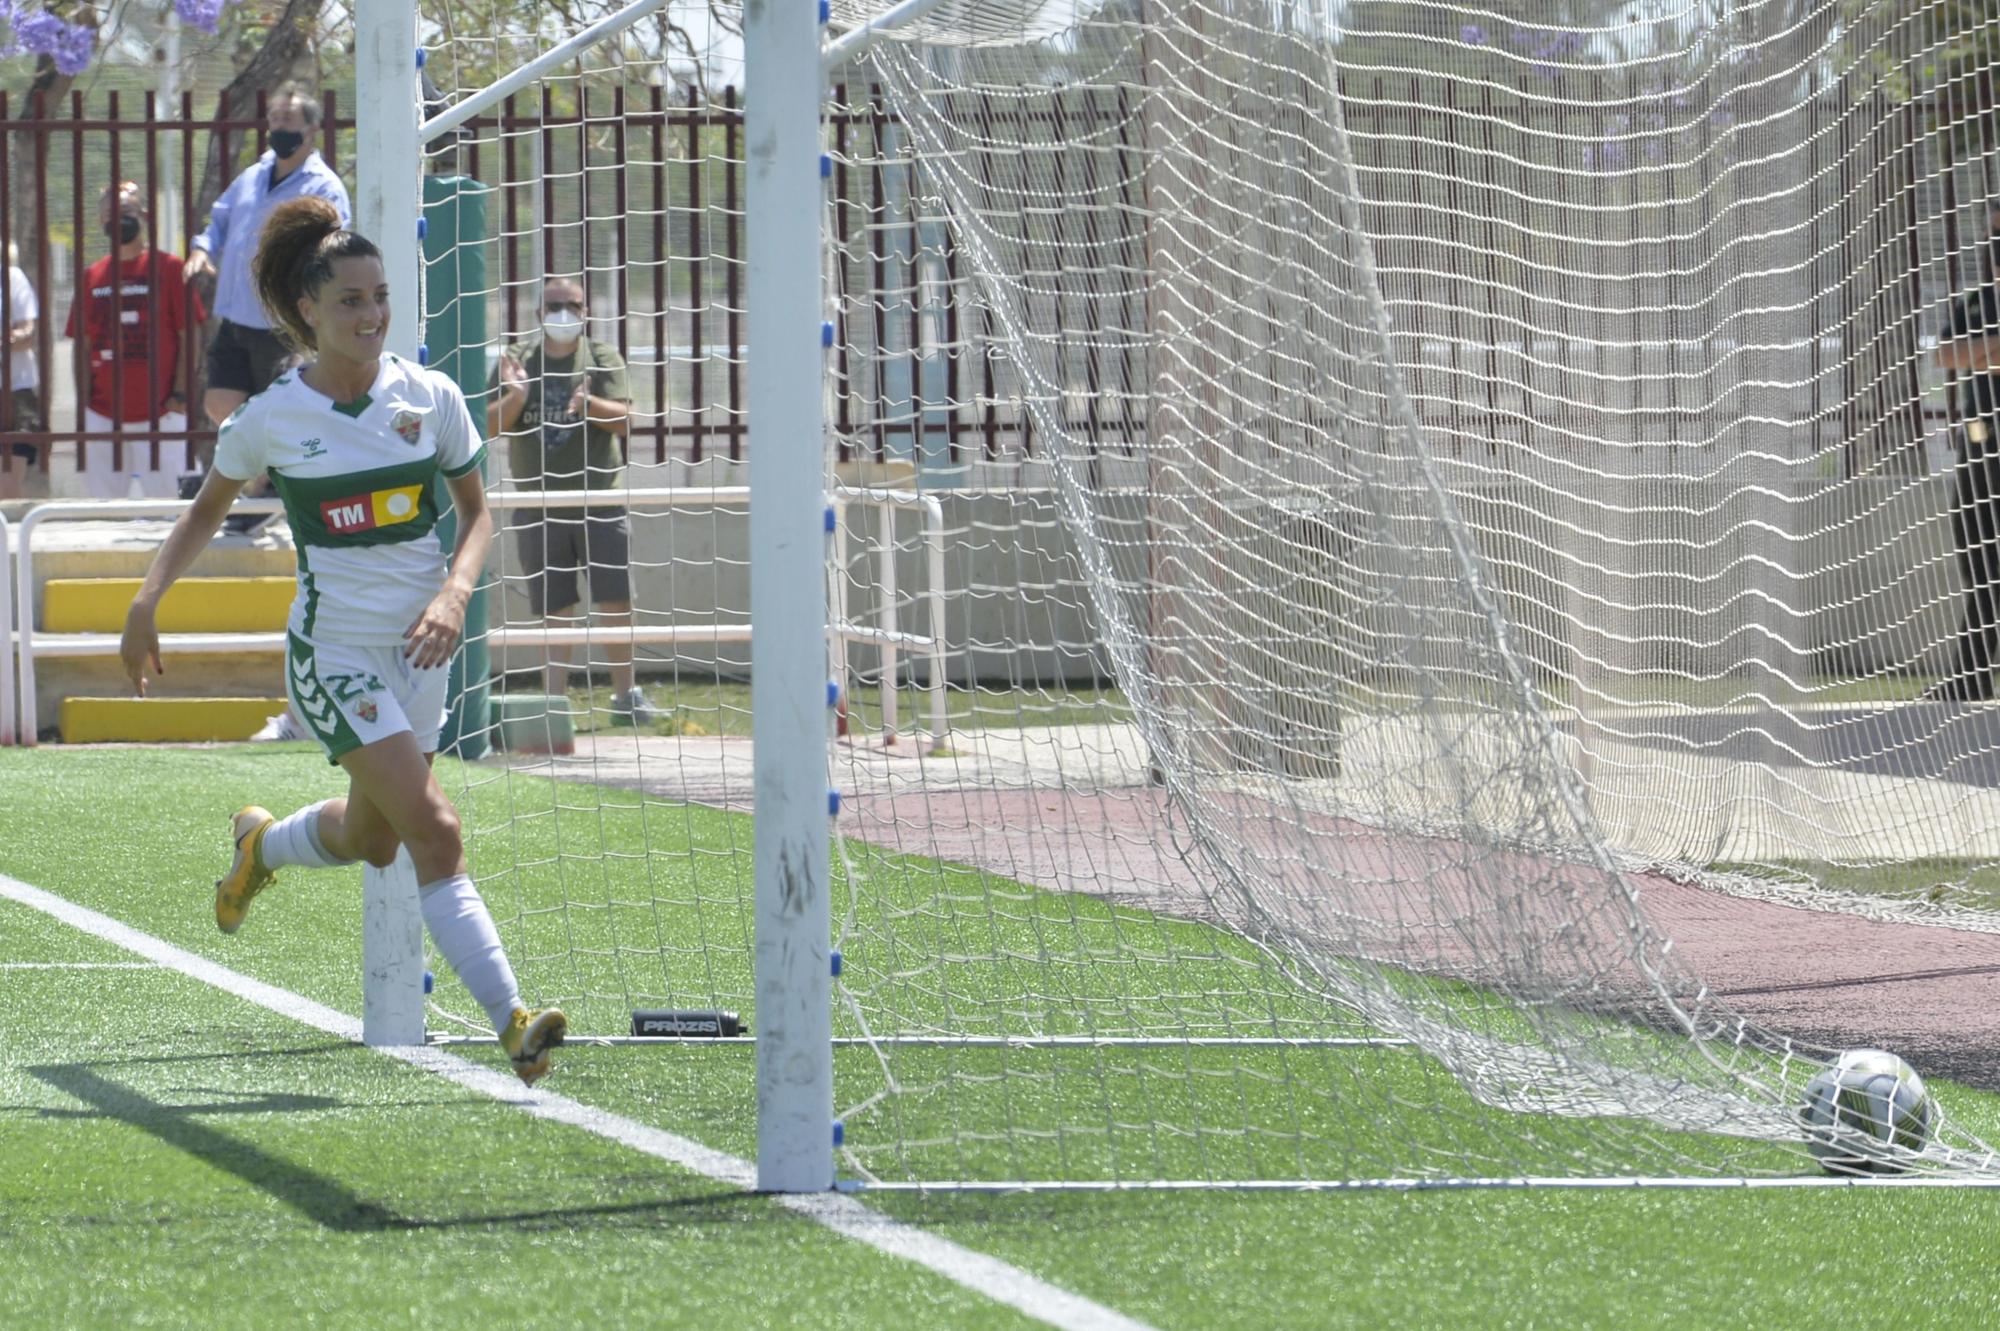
(562, 326)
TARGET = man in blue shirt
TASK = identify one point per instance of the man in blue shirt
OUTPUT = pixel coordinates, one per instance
(246, 355)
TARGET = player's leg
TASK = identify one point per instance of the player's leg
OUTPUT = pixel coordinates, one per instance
(462, 928)
(319, 836)
(355, 828)
(319, 683)
(391, 781)
(248, 873)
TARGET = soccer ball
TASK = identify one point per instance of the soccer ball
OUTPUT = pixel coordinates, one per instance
(1864, 1112)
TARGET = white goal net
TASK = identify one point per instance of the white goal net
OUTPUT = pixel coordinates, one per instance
(1412, 591)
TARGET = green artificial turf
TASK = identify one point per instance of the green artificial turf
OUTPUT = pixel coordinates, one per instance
(181, 1157)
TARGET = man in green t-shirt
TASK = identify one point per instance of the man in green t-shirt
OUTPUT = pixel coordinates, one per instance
(564, 407)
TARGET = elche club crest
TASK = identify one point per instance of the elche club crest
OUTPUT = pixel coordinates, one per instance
(364, 707)
(408, 424)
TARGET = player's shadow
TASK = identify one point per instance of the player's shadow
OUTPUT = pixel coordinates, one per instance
(325, 1200)
(318, 1197)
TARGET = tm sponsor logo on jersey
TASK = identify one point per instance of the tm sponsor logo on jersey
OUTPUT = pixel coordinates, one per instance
(381, 508)
(314, 448)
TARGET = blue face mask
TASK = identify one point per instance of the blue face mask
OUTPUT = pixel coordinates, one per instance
(285, 142)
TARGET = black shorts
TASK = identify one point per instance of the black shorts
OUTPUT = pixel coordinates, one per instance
(245, 360)
(557, 549)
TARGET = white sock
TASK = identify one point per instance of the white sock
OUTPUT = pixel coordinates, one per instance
(464, 932)
(295, 840)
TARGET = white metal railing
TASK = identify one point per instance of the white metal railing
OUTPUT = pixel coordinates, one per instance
(95, 644)
(6, 637)
(887, 635)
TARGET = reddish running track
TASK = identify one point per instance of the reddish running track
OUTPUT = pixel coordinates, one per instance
(1929, 992)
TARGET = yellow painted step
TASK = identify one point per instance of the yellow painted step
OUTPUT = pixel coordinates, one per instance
(164, 720)
(192, 605)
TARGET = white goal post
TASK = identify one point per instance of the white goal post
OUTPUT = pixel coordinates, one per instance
(1454, 545)
(791, 521)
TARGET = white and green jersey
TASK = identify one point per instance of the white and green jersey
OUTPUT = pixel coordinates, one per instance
(358, 481)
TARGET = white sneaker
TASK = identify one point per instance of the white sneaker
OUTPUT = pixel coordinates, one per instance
(281, 726)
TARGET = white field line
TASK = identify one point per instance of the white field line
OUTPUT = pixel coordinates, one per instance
(997, 1280)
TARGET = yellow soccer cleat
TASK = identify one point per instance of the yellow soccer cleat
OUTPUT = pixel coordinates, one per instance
(529, 1037)
(246, 877)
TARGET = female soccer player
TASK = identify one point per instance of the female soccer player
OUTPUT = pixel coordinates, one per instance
(353, 441)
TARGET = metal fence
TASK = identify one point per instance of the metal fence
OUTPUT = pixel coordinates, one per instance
(72, 158)
(639, 190)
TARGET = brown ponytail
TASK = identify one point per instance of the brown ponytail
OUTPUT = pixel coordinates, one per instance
(295, 258)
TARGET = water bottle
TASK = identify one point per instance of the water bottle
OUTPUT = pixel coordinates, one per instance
(135, 488)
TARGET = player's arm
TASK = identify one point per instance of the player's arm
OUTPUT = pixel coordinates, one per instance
(140, 647)
(434, 637)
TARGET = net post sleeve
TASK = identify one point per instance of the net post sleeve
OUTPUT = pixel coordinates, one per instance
(392, 955)
(794, 986)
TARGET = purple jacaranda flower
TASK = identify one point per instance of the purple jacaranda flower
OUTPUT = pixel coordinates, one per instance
(203, 14)
(69, 45)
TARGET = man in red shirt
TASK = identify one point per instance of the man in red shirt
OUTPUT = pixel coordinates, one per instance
(130, 359)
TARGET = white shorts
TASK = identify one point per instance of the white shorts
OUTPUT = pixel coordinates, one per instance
(349, 696)
(102, 480)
